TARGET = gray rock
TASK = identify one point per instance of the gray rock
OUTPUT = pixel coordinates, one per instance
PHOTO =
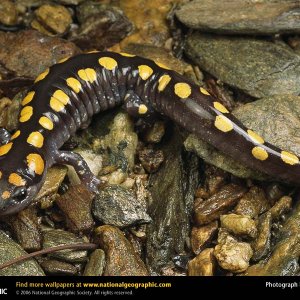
(96, 263)
(116, 205)
(10, 250)
(57, 237)
(241, 17)
(172, 189)
(259, 68)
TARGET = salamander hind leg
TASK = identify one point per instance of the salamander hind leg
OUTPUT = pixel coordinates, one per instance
(81, 167)
(139, 110)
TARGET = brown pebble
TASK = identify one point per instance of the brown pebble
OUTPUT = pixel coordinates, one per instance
(25, 226)
(200, 236)
(8, 12)
(253, 203)
(57, 267)
(203, 264)
(282, 206)
(211, 209)
(261, 245)
(155, 133)
(151, 159)
(76, 206)
(121, 259)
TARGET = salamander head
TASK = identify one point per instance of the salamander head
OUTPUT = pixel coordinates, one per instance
(18, 187)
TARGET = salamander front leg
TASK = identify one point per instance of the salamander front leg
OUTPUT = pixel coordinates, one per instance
(82, 169)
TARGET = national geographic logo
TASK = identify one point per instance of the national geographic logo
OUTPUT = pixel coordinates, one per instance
(3, 291)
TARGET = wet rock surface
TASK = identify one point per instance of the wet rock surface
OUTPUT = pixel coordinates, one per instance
(211, 209)
(9, 250)
(116, 205)
(96, 263)
(260, 17)
(257, 67)
(172, 190)
(121, 259)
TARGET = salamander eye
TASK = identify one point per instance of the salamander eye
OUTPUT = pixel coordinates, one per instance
(20, 194)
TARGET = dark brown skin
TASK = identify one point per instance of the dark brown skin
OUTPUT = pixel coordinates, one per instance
(107, 80)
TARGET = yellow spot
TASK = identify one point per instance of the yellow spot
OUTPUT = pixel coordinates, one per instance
(5, 195)
(163, 82)
(220, 107)
(162, 65)
(35, 139)
(204, 91)
(145, 71)
(256, 138)
(0, 174)
(5, 148)
(93, 51)
(143, 109)
(42, 75)
(223, 123)
(182, 90)
(107, 63)
(15, 135)
(127, 54)
(260, 153)
(28, 98)
(87, 74)
(35, 163)
(289, 158)
(58, 100)
(26, 113)
(46, 123)
(74, 84)
(63, 60)
(16, 179)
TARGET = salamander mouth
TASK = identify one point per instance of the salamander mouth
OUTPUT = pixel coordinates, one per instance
(14, 206)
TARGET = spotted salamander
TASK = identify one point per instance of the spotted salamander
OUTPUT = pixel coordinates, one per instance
(66, 96)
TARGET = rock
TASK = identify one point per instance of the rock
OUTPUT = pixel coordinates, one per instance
(231, 254)
(281, 207)
(70, 2)
(155, 133)
(56, 267)
(119, 206)
(150, 159)
(257, 67)
(8, 13)
(253, 203)
(262, 244)
(172, 189)
(20, 51)
(52, 19)
(203, 264)
(241, 17)
(200, 236)
(211, 209)
(25, 227)
(284, 257)
(5, 103)
(10, 250)
(121, 260)
(121, 142)
(96, 263)
(76, 205)
(240, 225)
(101, 26)
(54, 178)
(57, 237)
(149, 23)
